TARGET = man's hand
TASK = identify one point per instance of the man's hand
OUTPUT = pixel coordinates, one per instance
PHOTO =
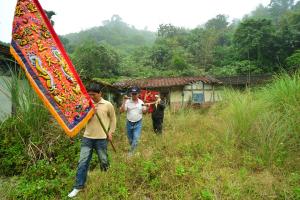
(122, 108)
(109, 136)
(125, 97)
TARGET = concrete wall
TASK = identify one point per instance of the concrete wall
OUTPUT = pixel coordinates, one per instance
(177, 100)
(5, 103)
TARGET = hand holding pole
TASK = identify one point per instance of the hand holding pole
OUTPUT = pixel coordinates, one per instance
(106, 132)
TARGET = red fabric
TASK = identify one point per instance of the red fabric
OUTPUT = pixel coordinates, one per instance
(148, 97)
(48, 68)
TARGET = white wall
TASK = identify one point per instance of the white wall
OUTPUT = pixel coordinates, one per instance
(177, 100)
(5, 103)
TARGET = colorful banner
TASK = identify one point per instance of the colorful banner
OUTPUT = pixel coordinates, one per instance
(51, 73)
(148, 97)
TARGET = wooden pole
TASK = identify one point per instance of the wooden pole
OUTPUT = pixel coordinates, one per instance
(105, 131)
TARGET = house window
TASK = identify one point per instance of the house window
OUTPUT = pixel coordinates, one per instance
(198, 98)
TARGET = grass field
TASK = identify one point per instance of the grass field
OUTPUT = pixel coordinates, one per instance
(193, 159)
(245, 147)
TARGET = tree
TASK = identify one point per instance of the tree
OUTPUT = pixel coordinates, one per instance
(219, 23)
(279, 7)
(65, 41)
(115, 19)
(50, 14)
(236, 68)
(171, 36)
(293, 62)
(168, 30)
(288, 34)
(260, 12)
(161, 56)
(96, 60)
(254, 40)
(179, 63)
(201, 45)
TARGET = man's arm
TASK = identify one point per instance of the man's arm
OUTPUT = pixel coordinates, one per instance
(144, 107)
(113, 121)
(123, 106)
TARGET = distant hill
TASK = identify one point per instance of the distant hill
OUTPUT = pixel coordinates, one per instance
(114, 32)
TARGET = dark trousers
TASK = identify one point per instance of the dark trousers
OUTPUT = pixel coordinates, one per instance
(157, 124)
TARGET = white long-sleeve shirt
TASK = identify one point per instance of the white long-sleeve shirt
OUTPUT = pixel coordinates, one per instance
(134, 110)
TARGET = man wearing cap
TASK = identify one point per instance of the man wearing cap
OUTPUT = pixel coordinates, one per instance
(95, 137)
(134, 108)
(158, 114)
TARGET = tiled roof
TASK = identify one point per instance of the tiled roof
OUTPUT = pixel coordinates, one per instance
(244, 79)
(104, 84)
(160, 82)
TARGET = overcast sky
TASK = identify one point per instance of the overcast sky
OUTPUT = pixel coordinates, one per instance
(74, 15)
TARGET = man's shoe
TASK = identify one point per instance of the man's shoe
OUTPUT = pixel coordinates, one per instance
(74, 193)
(130, 154)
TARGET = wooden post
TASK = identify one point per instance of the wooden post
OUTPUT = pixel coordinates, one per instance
(213, 91)
(203, 92)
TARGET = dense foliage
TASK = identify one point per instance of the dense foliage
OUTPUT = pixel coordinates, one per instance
(264, 41)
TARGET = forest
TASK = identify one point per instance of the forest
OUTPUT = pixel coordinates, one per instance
(267, 40)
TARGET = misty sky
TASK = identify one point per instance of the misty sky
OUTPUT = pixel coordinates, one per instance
(74, 15)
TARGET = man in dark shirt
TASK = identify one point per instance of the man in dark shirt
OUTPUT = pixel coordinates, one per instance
(158, 114)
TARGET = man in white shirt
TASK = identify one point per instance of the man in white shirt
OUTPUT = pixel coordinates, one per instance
(134, 107)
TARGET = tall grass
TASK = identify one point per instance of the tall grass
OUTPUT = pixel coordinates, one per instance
(265, 122)
(245, 147)
(25, 128)
(28, 109)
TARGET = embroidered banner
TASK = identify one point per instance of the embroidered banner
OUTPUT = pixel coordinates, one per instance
(40, 53)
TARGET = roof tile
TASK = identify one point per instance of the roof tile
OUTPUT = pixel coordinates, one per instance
(165, 82)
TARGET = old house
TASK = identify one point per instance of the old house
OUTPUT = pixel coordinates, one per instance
(179, 91)
(110, 92)
(6, 60)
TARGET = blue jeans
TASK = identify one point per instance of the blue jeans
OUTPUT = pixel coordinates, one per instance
(86, 152)
(133, 133)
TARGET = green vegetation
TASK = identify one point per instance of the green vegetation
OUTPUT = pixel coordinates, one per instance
(265, 41)
(245, 147)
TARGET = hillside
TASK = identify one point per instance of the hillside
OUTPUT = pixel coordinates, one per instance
(114, 32)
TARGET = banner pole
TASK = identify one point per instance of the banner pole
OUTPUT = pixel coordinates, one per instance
(106, 132)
